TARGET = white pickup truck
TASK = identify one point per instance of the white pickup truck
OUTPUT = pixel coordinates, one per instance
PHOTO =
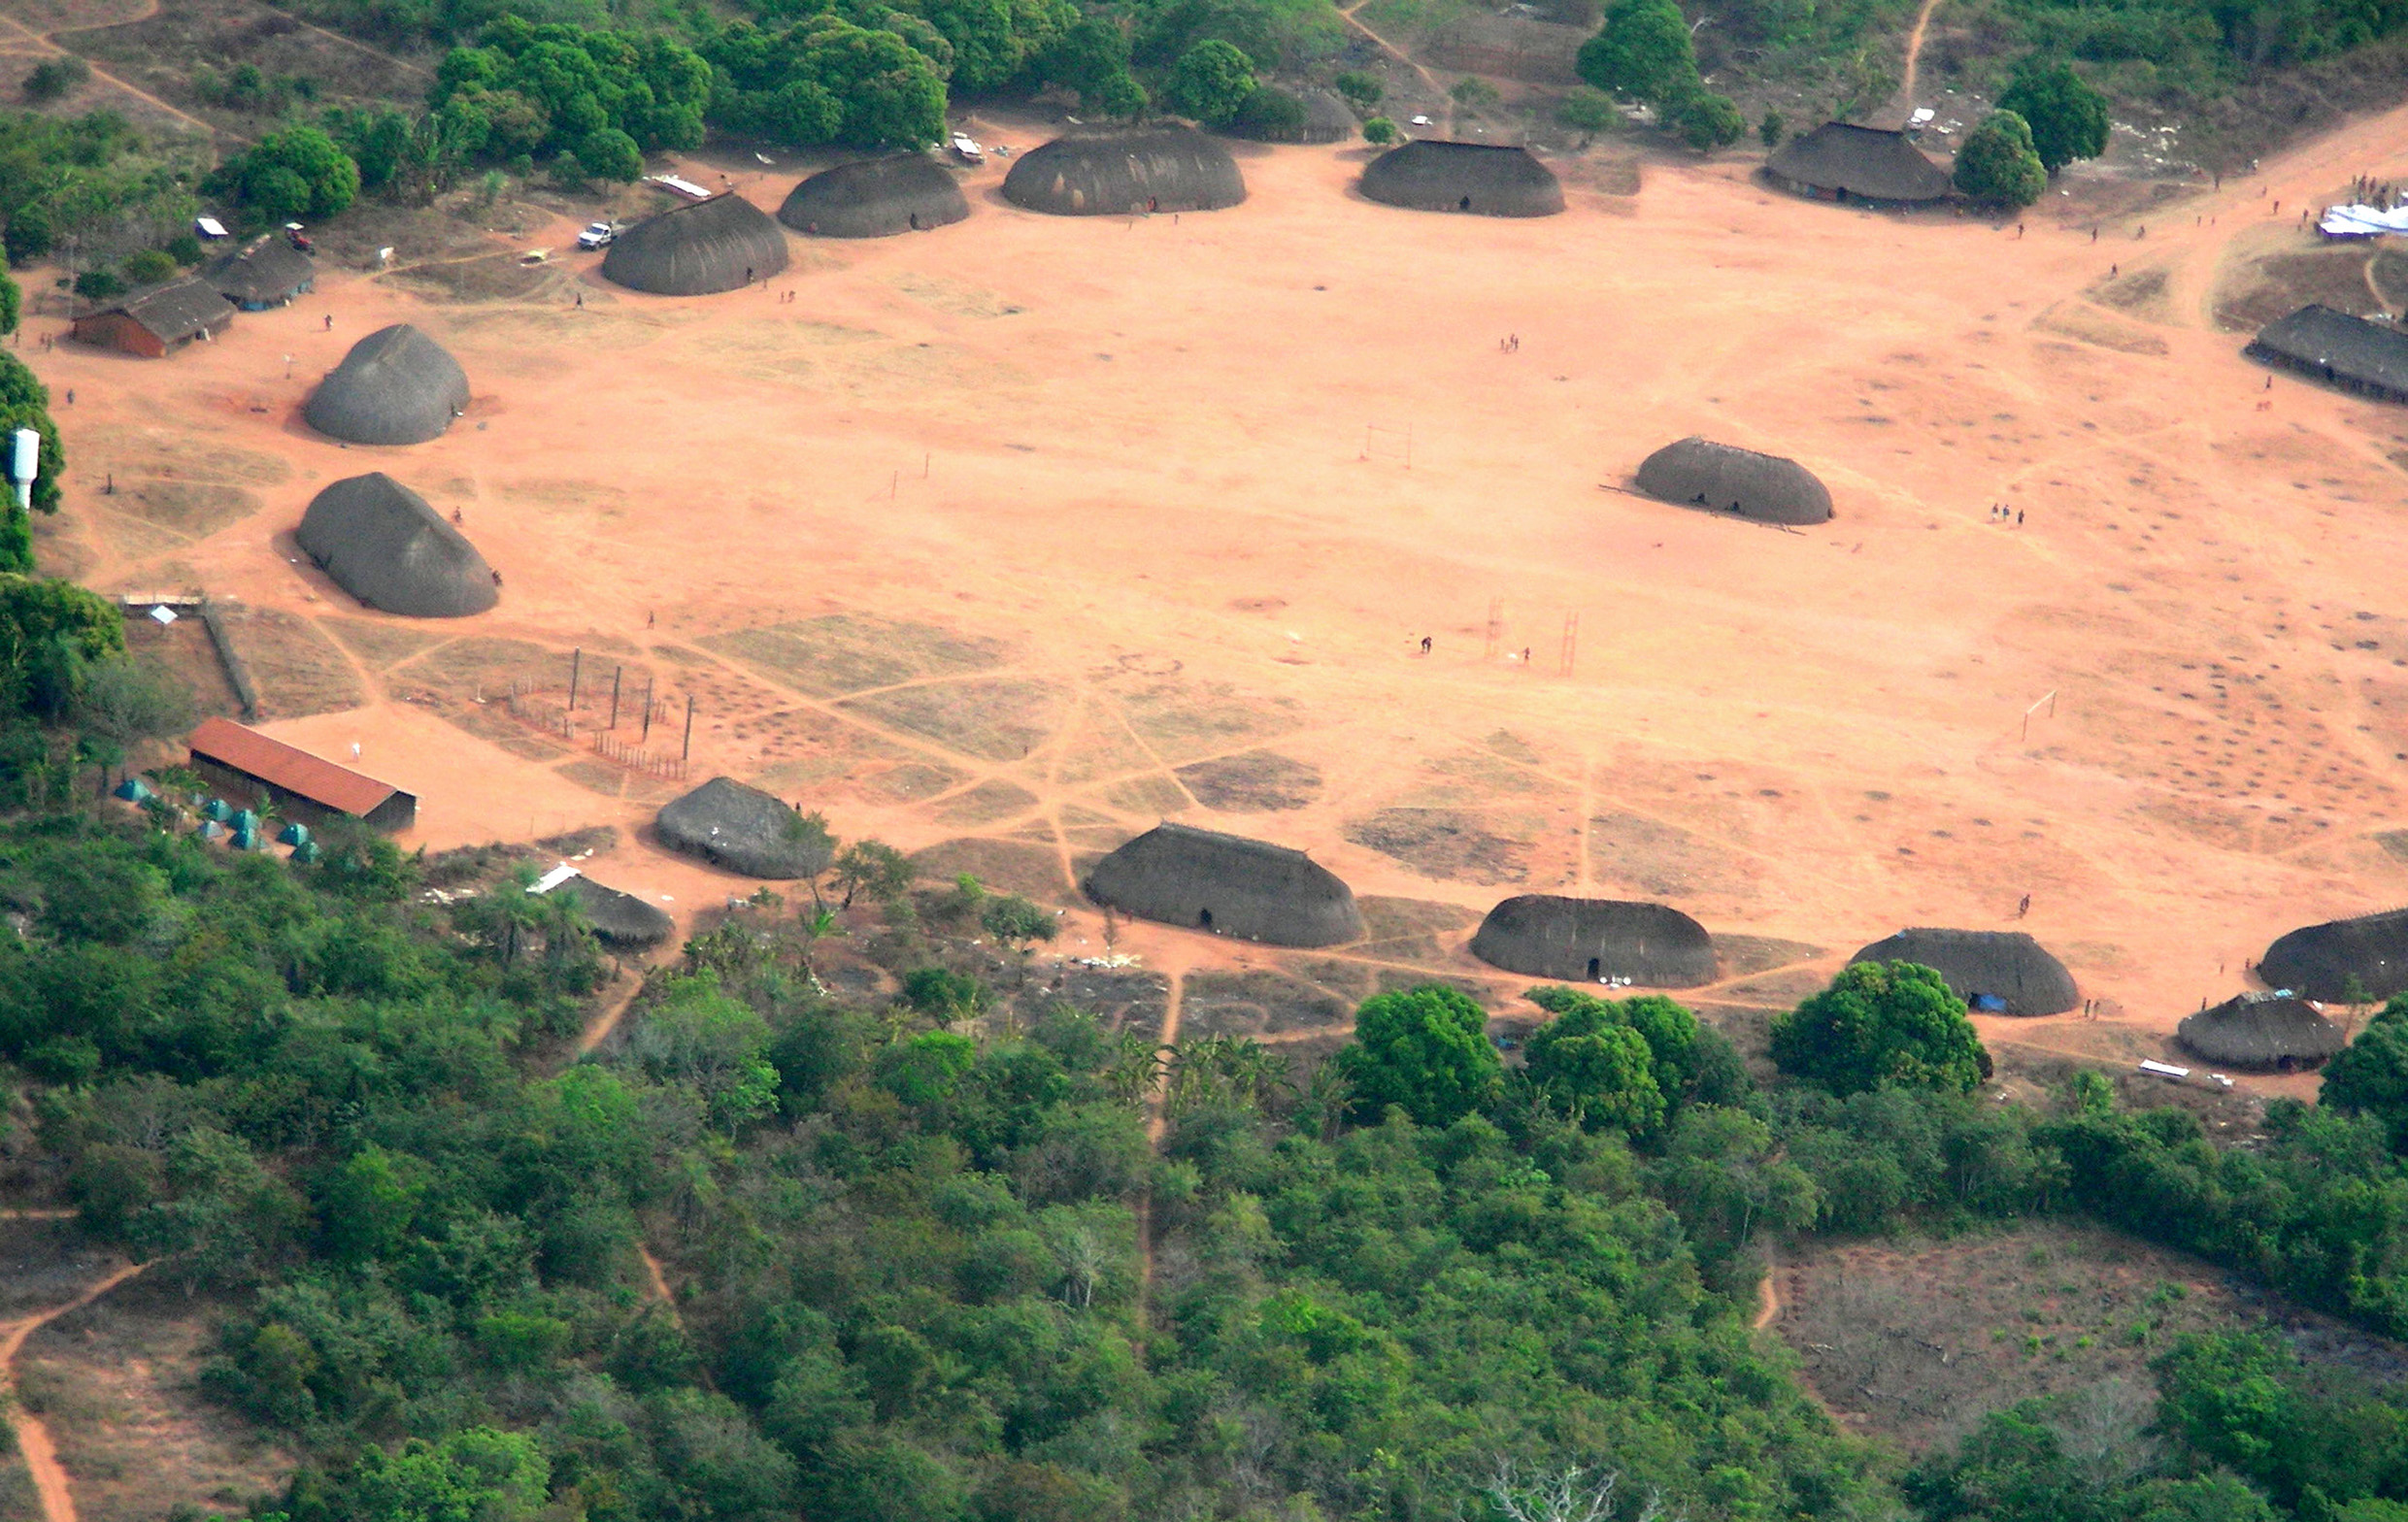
(597, 235)
(966, 148)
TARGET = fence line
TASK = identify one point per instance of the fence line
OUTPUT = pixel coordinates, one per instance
(601, 741)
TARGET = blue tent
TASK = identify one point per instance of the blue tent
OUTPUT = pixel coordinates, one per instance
(134, 790)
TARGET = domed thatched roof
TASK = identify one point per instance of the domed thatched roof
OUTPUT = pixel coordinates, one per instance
(876, 198)
(1978, 965)
(2340, 349)
(1585, 939)
(2343, 959)
(395, 386)
(1229, 885)
(1844, 162)
(385, 546)
(745, 830)
(698, 250)
(1766, 487)
(1479, 177)
(1275, 113)
(1134, 169)
(2276, 1031)
(620, 918)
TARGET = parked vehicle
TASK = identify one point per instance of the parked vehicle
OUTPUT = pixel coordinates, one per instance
(597, 235)
(966, 148)
(298, 238)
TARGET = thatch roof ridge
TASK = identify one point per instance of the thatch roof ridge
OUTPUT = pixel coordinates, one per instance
(2336, 346)
(383, 544)
(1115, 171)
(1545, 935)
(698, 250)
(2342, 959)
(1484, 179)
(2006, 965)
(266, 269)
(175, 310)
(1770, 488)
(618, 916)
(876, 198)
(394, 386)
(745, 830)
(2275, 1030)
(1229, 885)
(1868, 163)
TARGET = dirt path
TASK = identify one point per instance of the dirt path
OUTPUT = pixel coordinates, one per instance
(606, 1020)
(1768, 1294)
(1401, 56)
(1913, 59)
(33, 1440)
(102, 74)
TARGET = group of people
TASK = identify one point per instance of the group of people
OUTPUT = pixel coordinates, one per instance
(2001, 512)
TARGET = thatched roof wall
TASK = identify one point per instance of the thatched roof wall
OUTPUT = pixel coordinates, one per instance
(2276, 1032)
(2339, 349)
(395, 386)
(698, 250)
(1229, 885)
(2006, 965)
(1132, 169)
(1584, 939)
(1766, 487)
(620, 918)
(2342, 959)
(1482, 179)
(1854, 163)
(745, 830)
(385, 546)
(1325, 117)
(876, 198)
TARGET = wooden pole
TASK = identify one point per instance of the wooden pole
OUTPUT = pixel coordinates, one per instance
(617, 672)
(688, 753)
(577, 661)
(648, 711)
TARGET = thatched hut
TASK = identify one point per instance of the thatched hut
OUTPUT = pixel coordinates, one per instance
(2370, 359)
(1593, 939)
(266, 272)
(1228, 885)
(1276, 114)
(1766, 487)
(2342, 960)
(383, 544)
(1996, 971)
(1486, 180)
(745, 830)
(2276, 1032)
(876, 198)
(620, 918)
(1129, 169)
(698, 250)
(395, 386)
(1840, 162)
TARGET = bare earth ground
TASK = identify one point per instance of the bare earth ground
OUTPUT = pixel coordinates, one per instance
(1005, 542)
(1914, 1341)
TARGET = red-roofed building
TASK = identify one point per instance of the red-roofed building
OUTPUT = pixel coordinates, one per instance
(306, 788)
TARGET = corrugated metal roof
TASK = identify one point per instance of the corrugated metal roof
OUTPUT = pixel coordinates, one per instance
(295, 771)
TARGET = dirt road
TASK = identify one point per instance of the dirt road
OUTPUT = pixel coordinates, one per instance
(33, 1440)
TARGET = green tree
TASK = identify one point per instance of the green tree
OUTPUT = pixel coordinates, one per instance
(1880, 1024)
(1426, 1049)
(369, 1204)
(1378, 131)
(1707, 121)
(1211, 83)
(698, 1035)
(1642, 50)
(267, 174)
(1772, 129)
(872, 868)
(477, 1475)
(52, 634)
(54, 78)
(2369, 1077)
(1596, 1070)
(1997, 165)
(610, 155)
(146, 267)
(1587, 111)
(1360, 89)
(2067, 116)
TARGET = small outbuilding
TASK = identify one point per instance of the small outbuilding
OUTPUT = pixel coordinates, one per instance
(2342, 961)
(383, 544)
(876, 198)
(2369, 358)
(308, 787)
(1544, 935)
(1994, 972)
(1484, 179)
(2276, 1032)
(266, 272)
(1277, 114)
(1126, 169)
(1229, 885)
(620, 918)
(395, 386)
(1841, 161)
(154, 323)
(745, 830)
(1768, 489)
(724, 244)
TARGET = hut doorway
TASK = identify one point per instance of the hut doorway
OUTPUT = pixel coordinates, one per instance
(1594, 969)
(1204, 920)
(1463, 205)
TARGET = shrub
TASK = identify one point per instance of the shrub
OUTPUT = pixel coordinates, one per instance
(1588, 110)
(55, 78)
(1358, 89)
(147, 268)
(98, 284)
(1379, 129)
(1997, 166)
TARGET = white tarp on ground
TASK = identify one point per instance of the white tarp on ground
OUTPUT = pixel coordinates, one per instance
(2362, 221)
(554, 878)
